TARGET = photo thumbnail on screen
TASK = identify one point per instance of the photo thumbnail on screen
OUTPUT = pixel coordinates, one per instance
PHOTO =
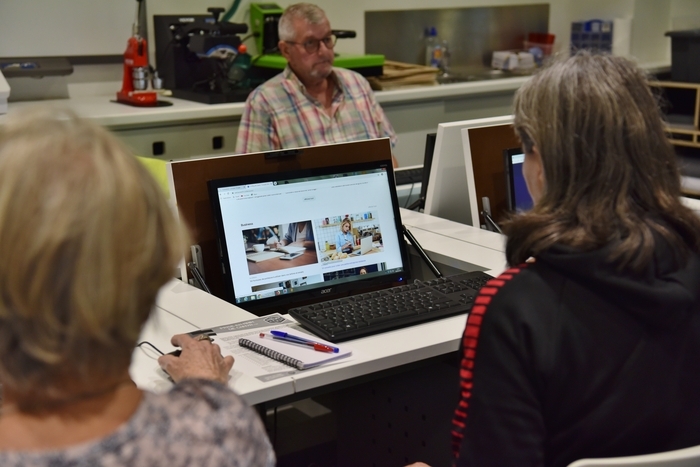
(283, 287)
(348, 236)
(274, 247)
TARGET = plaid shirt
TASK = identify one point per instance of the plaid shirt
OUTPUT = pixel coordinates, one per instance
(279, 114)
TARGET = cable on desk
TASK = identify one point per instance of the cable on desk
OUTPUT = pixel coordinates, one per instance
(421, 252)
(151, 345)
(491, 223)
(198, 276)
(418, 204)
(405, 205)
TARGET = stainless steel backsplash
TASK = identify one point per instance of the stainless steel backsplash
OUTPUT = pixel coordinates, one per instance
(472, 33)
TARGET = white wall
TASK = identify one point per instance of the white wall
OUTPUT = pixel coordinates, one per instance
(685, 14)
(40, 28)
(652, 19)
(109, 27)
(88, 27)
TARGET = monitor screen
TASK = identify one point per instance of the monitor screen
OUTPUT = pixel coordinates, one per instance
(518, 197)
(298, 236)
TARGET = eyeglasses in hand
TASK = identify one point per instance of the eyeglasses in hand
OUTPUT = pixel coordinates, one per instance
(312, 45)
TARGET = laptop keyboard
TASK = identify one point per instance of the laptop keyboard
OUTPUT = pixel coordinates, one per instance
(393, 308)
(408, 176)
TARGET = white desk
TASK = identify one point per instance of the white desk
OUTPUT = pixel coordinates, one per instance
(692, 203)
(159, 328)
(458, 245)
(182, 308)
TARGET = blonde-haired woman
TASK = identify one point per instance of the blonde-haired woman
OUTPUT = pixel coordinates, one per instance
(344, 238)
(86, 241)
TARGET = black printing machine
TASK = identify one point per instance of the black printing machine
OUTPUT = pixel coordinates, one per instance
(200, 58)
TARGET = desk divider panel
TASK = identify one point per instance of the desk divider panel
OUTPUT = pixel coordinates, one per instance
(191, 195)
(486, 145)
(451, 193)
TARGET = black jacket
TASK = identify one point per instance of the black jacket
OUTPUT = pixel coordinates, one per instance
(568, 358)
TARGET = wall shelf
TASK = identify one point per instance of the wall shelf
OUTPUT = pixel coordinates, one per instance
(682, 102)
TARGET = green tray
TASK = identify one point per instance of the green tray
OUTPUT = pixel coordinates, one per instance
(278, 62)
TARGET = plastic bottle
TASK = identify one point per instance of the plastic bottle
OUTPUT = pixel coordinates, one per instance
(240, 68)
(445, 58)
(433, 49)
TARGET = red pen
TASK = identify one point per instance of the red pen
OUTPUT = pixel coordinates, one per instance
(301, 339)
(316, 346)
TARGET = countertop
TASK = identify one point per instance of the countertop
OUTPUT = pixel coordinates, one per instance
(113, 115)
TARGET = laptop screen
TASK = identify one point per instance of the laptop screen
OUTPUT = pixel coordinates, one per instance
(518, 197)
(289, 238)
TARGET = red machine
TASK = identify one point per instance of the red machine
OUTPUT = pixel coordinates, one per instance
(135, 81)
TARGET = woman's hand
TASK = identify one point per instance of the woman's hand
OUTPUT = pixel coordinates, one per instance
(198, 359)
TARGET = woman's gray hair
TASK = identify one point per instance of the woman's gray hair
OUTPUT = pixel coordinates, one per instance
(611, 176)
(87, 239)
(304, 11)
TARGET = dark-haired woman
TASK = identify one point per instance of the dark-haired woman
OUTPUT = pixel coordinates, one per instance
(589, 345)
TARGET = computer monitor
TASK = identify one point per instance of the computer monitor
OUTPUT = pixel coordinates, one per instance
(449, 194)
(430, 139)
(281, 236)
(189, 193)
(519, 198)
(427, 164)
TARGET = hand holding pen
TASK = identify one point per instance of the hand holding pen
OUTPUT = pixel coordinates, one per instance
(292, 339)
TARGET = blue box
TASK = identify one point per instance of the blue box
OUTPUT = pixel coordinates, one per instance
(595, 35)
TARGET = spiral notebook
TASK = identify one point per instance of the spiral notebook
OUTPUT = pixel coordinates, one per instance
(299, 356)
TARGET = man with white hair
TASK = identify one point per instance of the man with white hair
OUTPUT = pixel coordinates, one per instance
(310, 102)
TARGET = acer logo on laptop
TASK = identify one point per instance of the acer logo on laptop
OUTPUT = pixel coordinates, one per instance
(328, 290)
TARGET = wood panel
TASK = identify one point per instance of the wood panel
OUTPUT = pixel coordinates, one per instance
(190, 179)
(487, 145)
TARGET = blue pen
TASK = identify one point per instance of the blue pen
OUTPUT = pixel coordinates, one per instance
(301, 339)
(314, 345)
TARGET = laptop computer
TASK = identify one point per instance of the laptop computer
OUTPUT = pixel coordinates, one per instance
(291, 251)
(365, 246)
(309, 204)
